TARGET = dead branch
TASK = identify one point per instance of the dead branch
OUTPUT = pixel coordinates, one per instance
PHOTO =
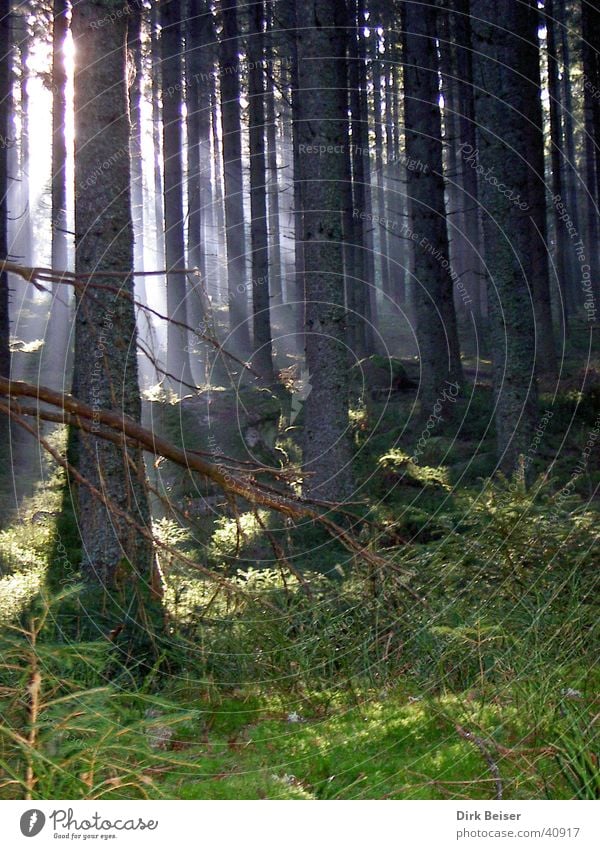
(116, 510)
(239, 485)
(35, 275)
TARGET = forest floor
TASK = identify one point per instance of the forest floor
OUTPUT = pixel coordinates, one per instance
(490, 687)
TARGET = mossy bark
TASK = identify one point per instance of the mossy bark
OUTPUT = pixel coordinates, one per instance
(106, 375)
(499, 66)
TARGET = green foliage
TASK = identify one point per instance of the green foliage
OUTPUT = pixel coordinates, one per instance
(322, 677)
(68, 733)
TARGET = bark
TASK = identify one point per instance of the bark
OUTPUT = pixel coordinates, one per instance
(396, 182)
(361, 191)
(371, 307)
(499, 69)
(287, 21)
(218, 206)
(105, 374)
(538, 230)
(323, 114)
(159, 220)
(275, 275)
(54, 361)
(178, 359)
(4, 143)
(239, 331)
(362, 271)
(379, 190)
(134, 45)
(25, 229)
(262, 359)
(570, 176)
(561, 239)
(198, 33)
(437, 334)
(454, 200)
(590, 27)
(474, 272)
(59, 145)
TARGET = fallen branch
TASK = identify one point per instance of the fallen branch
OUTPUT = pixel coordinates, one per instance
(246, 486)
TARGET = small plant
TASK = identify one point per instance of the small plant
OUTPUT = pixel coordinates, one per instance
(62, 737)
(576, 757)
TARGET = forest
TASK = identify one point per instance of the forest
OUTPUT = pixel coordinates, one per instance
(299, 399)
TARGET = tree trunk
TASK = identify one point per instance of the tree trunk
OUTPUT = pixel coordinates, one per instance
(275, 274)
(590, 27)
(262, 355)
(287, 21)
(56, 343)
(372, 307)
(452, 166)
(159, 220)
(134, 44)
(218, 205)
(178, 358)
(198, 34)
(499, 70)
(239, 333)
(5, 72)
(538, 230)
(105, 374)
(361, 276)
(380, 191)
(569, 162)
(561, 239)
(322, 116)
(474, 272)
(25, 227)
(436, 319)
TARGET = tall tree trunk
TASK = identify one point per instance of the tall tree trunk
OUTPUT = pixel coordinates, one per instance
(218, 205)
(590, 28)
(207, 161)
(198, 33)
(159, 216)
(134, 44)
(57, 335)
(396, 188)
(105, 375)
(275, 273)
(380, 191)
(437, 334)
(5, 72)
(499, 70)
(372, 307)
(262, 355)
(363, 272)
(538, 246)
(570, 177)
(26, 242)
(474, 273)
(288, 21)
(322, 115)
(454, 201)
(178, 358)
(561, 237)
(239, 338)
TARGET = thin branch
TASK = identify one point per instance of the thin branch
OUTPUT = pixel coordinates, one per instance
(242, 486)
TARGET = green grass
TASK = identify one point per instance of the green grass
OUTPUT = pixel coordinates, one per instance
(357, 691)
